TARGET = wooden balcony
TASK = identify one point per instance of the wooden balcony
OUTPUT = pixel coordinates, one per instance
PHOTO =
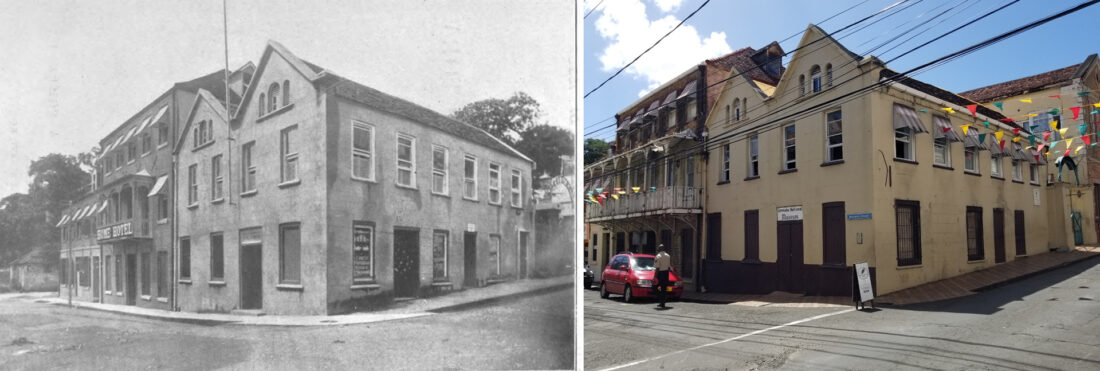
(665, 200)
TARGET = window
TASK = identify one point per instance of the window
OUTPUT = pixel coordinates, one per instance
(469, 178)
(670, 116)
(162, 207)
(494, 183)
(517, 188)
(185, 258)
(248, 168)
(754, 160)
(728, 117)
(162, 133)
(216, 180)
(1017, 171)
(273, 95)
(829, 75)
(494, 253)
(689, 174)
(192, 184)
(1034, 171)
(120, 160)
(217, 258)
(691, 110)
(834, 137)
(789, 148)
(286, 92)
(970, 159)
(289, 151)
(737, 109)
(908, 230)
(903, 146)
(439, 170)
(670, 174)
(262, 103)
(131, 152)
(406, 160)
(118, 274)
(752, 235)
(202, 133)
(815, 78)
(995, 166)
(162, 274)
(107, 264)
(362, 252)
(975, 240)
(146, 143)
(801, 85)
(362, 151)
(745, 108)
(942, 152)
(290, 243)
(725, 177)
(146, 275)
(439, 255)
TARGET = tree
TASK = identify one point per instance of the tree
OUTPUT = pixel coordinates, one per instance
(502, 118)
(545, 144)
(56, 180)
(594, 150)
(28, 220)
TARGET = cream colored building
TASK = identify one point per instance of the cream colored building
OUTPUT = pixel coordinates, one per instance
(1034, 101)
(810, 180)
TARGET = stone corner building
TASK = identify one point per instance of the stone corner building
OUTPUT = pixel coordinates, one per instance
(314, 194)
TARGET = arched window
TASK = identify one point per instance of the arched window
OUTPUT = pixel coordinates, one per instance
(728, 111)
(745, 108)
(286, 92)
(737, 109)
(801, 85)
(263, 104)
(829, 75)
(116, 208)
(815, 78)
(273, 94)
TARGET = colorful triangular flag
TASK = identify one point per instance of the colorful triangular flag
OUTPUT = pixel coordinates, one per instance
(1062, 131)
(1026, 100)
(1081, 128)
(981, 138)
(1076, 111)
(973, 109)
(636, 189)
(948, 109)
(999, 134)
(1000, 105)
(1046, 136)
(965, 128)
(986, 123)
(1015, 131)
(1087, 140)
(1002, 146)
(1054, 124)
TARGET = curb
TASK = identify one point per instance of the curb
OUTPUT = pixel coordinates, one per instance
(1032, 274)
(539, 291)
(193, 321)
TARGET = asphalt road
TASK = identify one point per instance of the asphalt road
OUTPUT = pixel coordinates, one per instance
(1047, 322)
(529, 333)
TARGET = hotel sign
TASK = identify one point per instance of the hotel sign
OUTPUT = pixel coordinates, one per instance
(115, 231)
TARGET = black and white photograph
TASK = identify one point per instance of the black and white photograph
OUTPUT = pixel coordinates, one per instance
(245, 184)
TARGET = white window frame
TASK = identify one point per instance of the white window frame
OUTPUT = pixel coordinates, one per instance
(816, 82)
(516, 191)
(193, 184)
(405, 165)
(828, 137)
(368, 153)
(248, 167)
(494, 174)
(469, 183)
(1033, 173)
(1017, 171)
(996, 167)
(754, 156)
(725, 177)
(368, 227)
(286, 157)
(789, 162)
(971, 164)
(444, 172)
(938, 145)
(910, 154)
(446, 255)
(217, 179)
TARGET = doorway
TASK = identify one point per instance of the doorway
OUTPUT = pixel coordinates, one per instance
(789, 258)
(406, 262)
(252, 284)
(131, 279)
(1021, 237)
(687, 258)
(998, 235)
(95, 279)
(469, 240)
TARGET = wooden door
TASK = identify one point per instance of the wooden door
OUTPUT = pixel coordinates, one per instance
(252, 283)
(406, 262)
(1020, 231)
(789, 258)
(131, 279)
(998, 235)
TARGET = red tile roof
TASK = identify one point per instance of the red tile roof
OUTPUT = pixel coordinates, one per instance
(1020, 86)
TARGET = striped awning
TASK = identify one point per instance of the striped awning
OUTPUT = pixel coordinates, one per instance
(944, 129)
(80, 213)
(906, 118)
(995, 149)
(64, 219)
(158, 185)
(1017, 152)
(971, 140)
(144, 124)
(689, 90)
(652, 110)
(669, 99)
(159, 115)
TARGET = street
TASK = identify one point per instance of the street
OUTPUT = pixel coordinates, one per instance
(534, 332)
(1047, 322)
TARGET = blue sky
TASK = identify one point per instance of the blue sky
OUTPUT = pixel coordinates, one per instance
(618, 30)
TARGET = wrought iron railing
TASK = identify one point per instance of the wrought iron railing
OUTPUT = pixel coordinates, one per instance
(663, 199)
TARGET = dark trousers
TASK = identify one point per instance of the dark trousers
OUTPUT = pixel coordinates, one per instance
(662, 284)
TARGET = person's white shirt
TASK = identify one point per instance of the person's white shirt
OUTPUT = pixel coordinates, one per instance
(662, 262)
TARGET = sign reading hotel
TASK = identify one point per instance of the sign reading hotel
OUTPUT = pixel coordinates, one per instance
(114, 231)
(789, 213)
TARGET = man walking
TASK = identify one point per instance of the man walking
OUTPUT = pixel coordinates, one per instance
(663, 263)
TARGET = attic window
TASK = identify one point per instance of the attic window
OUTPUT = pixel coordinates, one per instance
(263, 104)
(801, 85)
(829, 75)
(202, 133)
(286, 92)
(273, 94)
(815, 78)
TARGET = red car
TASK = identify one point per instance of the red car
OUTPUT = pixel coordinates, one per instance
(632, 276)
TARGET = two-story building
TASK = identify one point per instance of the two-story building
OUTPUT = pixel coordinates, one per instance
(648, 198)
(319, 195)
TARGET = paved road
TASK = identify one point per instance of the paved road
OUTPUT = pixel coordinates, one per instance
(532, 332)
(1047, 322)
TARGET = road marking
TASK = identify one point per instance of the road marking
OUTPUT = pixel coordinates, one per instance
(730, 339)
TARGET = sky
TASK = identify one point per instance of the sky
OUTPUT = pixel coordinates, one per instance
(617, 31)
(75, 70)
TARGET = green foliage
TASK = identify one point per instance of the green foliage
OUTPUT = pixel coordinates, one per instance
(545, 144)
(28, 220)
(502, 118)
(594, 150)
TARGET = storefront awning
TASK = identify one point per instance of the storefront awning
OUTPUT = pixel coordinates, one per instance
(689, 90)
(158, 185)
(906, 118)
(64, 219)
(944, 129)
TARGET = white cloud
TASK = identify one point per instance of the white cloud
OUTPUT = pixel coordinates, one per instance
(668, 5)
(629, 32)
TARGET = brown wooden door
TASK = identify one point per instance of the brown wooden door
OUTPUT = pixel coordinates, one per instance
(998, 235)
(833, 246)
(789, 258)
(1021, 233)
(687, 254)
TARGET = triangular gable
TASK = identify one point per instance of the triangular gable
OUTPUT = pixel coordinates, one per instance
(812, 35)
(274, 47)
(202, 97)
(727, 88)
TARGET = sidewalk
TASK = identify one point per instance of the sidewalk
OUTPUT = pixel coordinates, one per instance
(774, 299)
(971, 283)
(401, 310)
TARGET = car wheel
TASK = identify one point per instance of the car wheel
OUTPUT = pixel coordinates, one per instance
(603, 291)
(627, 296)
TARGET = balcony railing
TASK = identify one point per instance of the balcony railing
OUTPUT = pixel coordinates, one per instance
(669, 200)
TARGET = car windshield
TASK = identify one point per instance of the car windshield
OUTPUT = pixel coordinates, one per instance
(643, 264)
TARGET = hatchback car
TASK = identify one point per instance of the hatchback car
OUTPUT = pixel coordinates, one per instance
(633, 276)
